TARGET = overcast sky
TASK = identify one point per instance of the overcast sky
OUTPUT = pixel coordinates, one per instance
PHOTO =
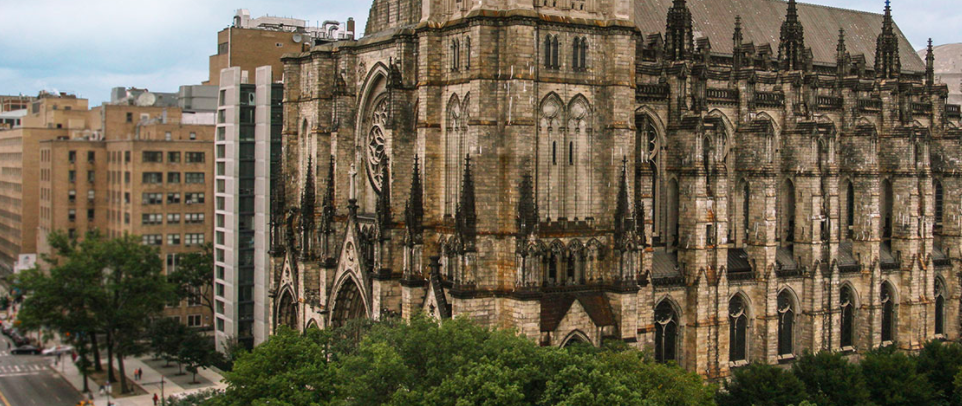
(91, 46)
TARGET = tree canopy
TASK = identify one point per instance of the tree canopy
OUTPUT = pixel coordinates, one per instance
(454, 362)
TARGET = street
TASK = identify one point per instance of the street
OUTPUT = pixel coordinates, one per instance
(27, 380)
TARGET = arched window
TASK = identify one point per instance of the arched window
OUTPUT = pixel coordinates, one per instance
(787, 216)
(939, 204)
(738, 329)
(467, 53)
(666, 332)
(547, 51)
(846, 299)
(646, 152)
(886, 209)
(786, 323)
(584, 53)
(888, 312)
(746, 212)
(850, 209)
(939, 307)
(554, 52)
(576, 54)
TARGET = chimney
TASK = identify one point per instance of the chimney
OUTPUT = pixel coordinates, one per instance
(350, 25)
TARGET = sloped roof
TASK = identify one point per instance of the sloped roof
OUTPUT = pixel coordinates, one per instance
(762, 21)
(555, 307)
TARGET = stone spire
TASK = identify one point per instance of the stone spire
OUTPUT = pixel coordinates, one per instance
(466, 218)
(414, 209)
(621, 208)
(841, 62)
(328, 207)
(887, 62)
(737, 40)
(527, 208)
(383, 209)
(307, 209)
(679, 36)
(929, 66)
(791, 49)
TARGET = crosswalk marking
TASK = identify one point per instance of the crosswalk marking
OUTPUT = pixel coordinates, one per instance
(6, 369)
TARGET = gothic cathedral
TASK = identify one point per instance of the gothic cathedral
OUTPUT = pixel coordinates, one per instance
(722, 181)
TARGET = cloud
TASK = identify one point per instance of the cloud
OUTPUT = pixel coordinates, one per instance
(89, 47)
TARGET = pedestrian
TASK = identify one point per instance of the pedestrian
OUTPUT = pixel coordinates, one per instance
(102, 390)
(155, 399)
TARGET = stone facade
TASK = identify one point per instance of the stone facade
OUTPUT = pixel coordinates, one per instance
(554, 167)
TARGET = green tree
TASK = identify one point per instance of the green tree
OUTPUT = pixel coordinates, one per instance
(136, 291)
(166, 335)
(831, 380)
(893, 379)
(66, 298)
(940, 364)
(196, 351)
(762, 385)
(288, 369)
(194, 276)
(423, 362)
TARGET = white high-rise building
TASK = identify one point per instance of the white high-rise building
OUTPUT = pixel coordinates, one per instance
(248, 137)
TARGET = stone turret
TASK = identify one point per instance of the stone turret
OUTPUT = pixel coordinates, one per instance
(791, 49)
(887, 62)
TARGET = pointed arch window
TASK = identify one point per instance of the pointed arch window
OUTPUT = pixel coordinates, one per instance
(738, 329)
(846, 299)
(786, 324)
(850, 208)
(554, 52)
(888, 312)
(939, 307)
(939, 205)
(646, 152)
(455, 55)
(746, 212)
(467, 53)
(547, 51)
(666, 332)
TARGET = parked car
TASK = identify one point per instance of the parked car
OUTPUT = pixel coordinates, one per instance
(26, 349)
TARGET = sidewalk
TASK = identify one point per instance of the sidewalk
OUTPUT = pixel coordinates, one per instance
(150, 382)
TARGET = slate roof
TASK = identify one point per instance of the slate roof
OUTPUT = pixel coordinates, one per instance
(738, 261)
(554, 307)
(665, 264)
(846, 259)
(762, 21)
(783, 256)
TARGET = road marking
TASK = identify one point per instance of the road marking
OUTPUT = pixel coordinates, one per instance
(21, 374)
(4, 399)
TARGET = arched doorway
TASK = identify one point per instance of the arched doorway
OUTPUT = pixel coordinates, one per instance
(348, 304)
(286, 311)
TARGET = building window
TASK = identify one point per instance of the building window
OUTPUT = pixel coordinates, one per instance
(738, 329)
(847, 302)
(888, 313)
(91, 195)
(221, 151)
(71, 215)
(72, 176)
(173, 218)
(193, 198)
(91, 155)
(126, 218)
(786, 324)
(194, 218)
(220, 324)
(193, 239)
(173, 198)
(193, 320)
(939, 204)
(193, 177)
(91, 176)
(173, 157)
(153, 239)
(939, 307)
(173, 177)
(153, 157)
(130, 117)
(153, 178)
(153, 198)
(90, 214)
(173, 239)
(152, 218)
(666, 332)
(193, 136)
(127, 177)
(72, 196)
(194, 157)
(72, 156)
